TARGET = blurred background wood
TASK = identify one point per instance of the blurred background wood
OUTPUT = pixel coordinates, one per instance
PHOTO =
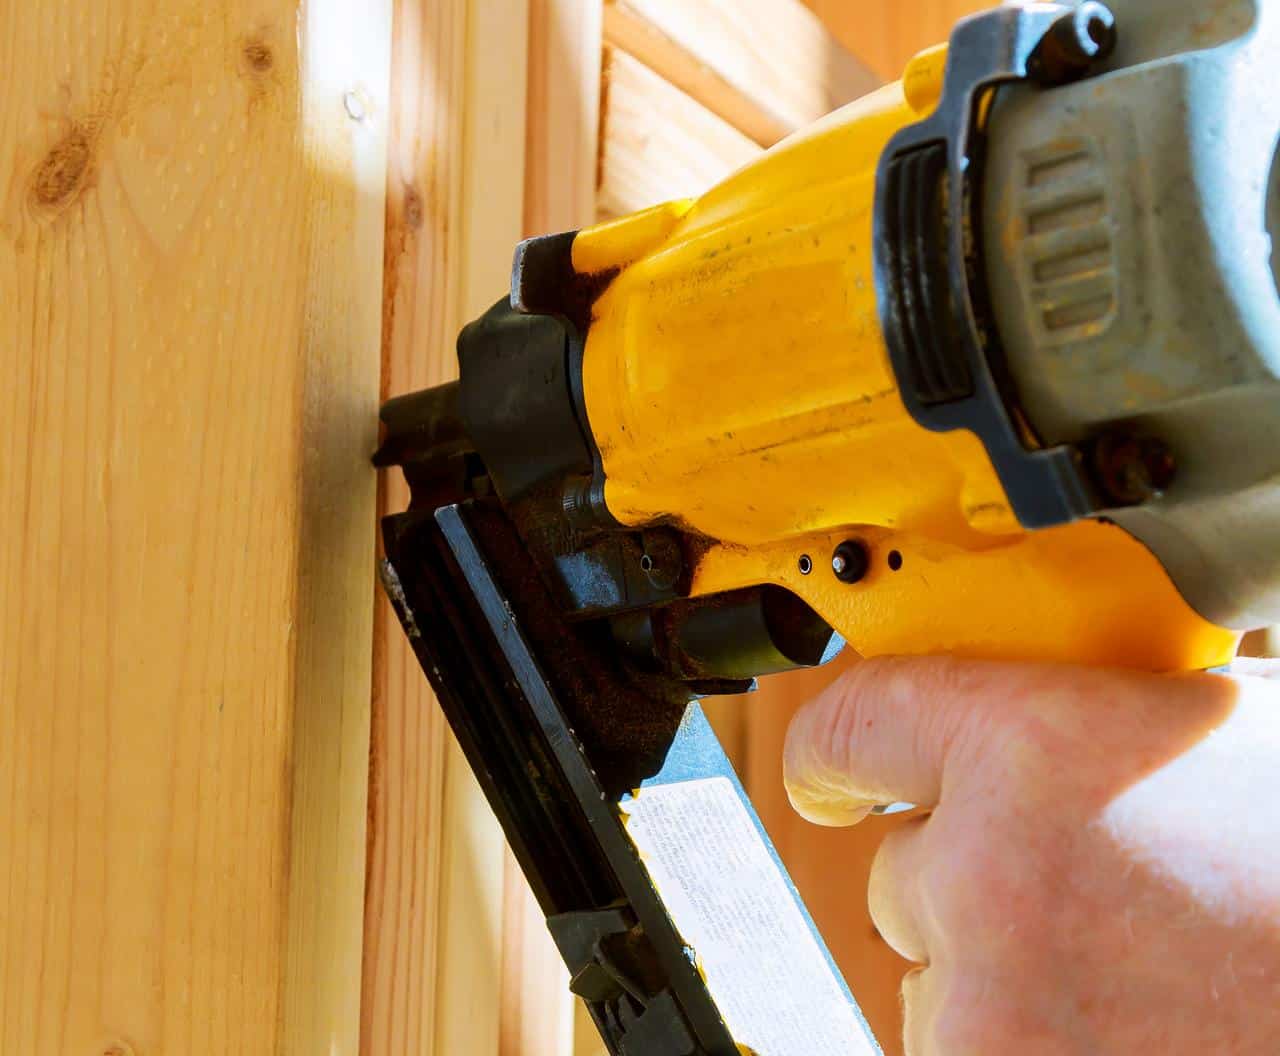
(658, 143)
(191, 230)
(766, 67)
(886, 33)
(421, 303)
(1265, 643)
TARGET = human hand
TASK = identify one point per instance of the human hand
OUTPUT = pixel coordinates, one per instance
(1100, 870)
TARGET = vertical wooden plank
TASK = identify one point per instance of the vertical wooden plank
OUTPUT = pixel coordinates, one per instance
(536, 1018)
(190, 273)
(434, 913)
(346, 59)
(409, 735)
(562, 129)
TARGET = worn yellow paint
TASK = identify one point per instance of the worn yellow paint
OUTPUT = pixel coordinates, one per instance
(737, 382)
(923, 78)
(1084, 593)
(618, 243)
(745, 345)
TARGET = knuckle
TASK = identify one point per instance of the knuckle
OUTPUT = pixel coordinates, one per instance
(903, 678)
(986, 1017)
(959, 1012)
(981, 1014)
(995, 893)
(891, 896)
(967, 1028)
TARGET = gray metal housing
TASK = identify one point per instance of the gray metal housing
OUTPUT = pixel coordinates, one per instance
(1127, 224)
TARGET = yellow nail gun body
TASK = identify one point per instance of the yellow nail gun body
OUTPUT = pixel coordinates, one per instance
(738, 383)
(983, 364)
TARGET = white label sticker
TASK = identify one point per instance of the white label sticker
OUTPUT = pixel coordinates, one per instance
(768, 974)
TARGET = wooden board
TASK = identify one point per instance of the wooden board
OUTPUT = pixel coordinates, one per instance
(537, 1007)
(886, 33)
(657, 143)
(190, 240)
(409, 734)
(767, 67)
(457, 959)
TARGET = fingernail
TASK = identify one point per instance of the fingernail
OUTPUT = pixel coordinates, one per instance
(889, 809)
(830, 810)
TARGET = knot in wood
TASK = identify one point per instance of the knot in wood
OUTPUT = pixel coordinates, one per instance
(62, 173)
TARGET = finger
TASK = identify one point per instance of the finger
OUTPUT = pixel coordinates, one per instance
(893, 891)
(884, 733)
(918, 1011)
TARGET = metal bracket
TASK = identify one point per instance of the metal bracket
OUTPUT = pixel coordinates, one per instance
(931, 286)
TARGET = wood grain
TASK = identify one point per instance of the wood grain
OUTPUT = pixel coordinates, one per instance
(767, 67)
(409, 735)
(886, 33)
(635, 35)
(537, 1007)
(456, 960)
(563, 130)
(190, 241)
(658, 143)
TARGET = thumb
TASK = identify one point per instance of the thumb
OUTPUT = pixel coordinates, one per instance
(887, 731)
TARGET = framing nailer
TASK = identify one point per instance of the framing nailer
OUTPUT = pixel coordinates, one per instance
(984, 364)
